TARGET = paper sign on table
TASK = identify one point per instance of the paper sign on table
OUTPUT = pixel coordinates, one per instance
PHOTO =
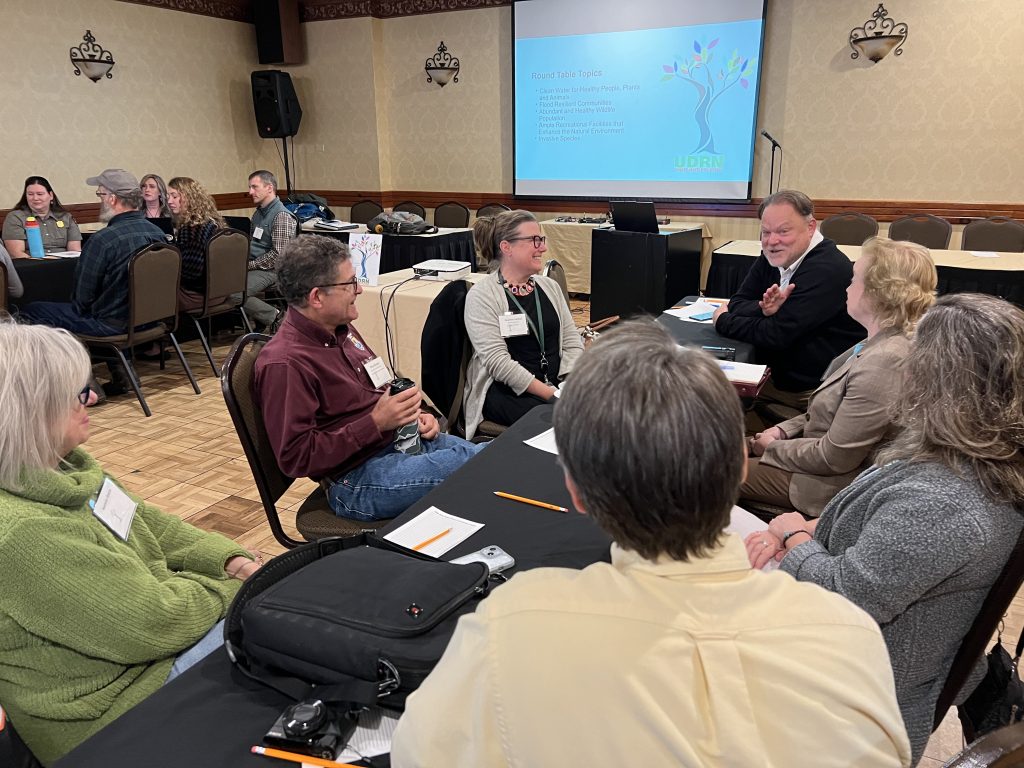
(545, 441)
(365, 249)
(433, 532)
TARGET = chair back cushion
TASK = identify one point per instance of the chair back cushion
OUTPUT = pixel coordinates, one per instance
(227, 254)
(410, 207)
(153, 275)
(995, 234)
(442, 347)
(492, 210)
(451, 215)
(363, 211)
(237, 386)
(556, 272)
(923, 229)
(849, 228)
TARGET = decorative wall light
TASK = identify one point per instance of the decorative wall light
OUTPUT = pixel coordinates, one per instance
(878, 36)
(442, 66)
(90, 58)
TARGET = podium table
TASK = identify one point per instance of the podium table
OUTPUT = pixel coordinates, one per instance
(636, 272)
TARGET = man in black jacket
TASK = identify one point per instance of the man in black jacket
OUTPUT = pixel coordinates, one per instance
(792, 304)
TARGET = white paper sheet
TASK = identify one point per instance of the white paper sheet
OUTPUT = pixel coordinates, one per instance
(744, 373)
(430, 523)
(545, 441)
(372, 737)
(742, 523)
(698, 307)
(985, 254)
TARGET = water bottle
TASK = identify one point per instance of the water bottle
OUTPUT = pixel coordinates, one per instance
(34, 237)
(407, 438)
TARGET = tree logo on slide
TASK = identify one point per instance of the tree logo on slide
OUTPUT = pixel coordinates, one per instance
(710, 85)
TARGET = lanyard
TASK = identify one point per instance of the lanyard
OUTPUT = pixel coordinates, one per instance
(538, 334)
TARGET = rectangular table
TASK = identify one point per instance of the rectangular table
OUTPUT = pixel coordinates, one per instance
(410, 303)
(569, 243)
(211, 715)
(959, 271)
(403, 251)
(703, 334)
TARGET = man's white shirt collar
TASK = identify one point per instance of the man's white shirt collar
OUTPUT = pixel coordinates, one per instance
(785, 275)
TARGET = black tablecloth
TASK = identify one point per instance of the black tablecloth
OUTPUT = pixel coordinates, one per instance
(402, 251)
(728, 270)
(704, 335)
(211, 715)
(45, 279)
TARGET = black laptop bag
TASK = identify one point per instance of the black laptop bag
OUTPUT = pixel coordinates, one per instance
(349, 619)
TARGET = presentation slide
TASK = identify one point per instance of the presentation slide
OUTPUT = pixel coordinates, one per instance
(636, 100)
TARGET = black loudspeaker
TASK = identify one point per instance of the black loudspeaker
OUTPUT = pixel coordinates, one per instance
(278, 34)
(278, 113)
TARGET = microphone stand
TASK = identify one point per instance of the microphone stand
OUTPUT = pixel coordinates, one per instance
(771, 174)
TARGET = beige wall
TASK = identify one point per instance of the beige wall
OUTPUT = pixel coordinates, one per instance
(179, 102)
(940, 122)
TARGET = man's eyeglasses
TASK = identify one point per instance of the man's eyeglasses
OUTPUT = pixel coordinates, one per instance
(85, 394)
(353, 282)
(538, 240)
(102, 195)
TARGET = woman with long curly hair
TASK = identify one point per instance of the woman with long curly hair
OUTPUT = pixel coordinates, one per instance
(918, 540)
(196, 220)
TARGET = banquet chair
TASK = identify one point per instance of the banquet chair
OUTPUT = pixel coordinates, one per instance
(556, 272)
(997, 233)
(492, 209)
(153, 276)
(1002, 748)
(227, 256)
(3, 289)
(849, 228)
(975, 642)
(923, 229)
(363, 211)
(451, 214)
(314, 519)
(408, 206)
(445, 350)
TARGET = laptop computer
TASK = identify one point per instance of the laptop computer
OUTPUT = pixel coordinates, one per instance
(634, 216)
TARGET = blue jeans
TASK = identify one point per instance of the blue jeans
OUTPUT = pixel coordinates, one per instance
(386, 484)
(61, 314)
(207, 644)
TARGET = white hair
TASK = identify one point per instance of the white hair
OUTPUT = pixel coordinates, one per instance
(43, 370)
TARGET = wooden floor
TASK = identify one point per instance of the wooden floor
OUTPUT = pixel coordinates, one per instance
(186, 460)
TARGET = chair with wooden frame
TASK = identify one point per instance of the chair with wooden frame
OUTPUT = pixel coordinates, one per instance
(924, 229)
(492, 209)
(153, 276)
(1002, 748)
(227, 256)
(314, 519)
(3, 289)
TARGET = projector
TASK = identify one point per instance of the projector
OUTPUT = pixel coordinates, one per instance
(441, 269)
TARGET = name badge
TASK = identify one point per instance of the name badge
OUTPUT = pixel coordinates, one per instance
(378, 372)
(60, 225)
(257, 233)
(512, 324)
(115, 509)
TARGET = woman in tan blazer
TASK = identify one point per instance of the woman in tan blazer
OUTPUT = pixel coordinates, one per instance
(803, 462)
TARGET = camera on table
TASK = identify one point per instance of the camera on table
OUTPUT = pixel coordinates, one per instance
(313, 728)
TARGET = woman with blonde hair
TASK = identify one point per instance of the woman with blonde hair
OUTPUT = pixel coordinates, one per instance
(97, 610)
(196, 220)
(803, 462)
(154, 197)
(523, 335)
(918, 540)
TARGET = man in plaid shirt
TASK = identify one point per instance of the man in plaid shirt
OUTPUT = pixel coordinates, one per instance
(272, 227)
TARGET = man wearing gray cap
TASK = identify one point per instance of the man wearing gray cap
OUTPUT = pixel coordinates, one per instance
(100, 303)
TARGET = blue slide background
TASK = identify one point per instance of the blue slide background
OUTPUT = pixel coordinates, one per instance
(660, 129)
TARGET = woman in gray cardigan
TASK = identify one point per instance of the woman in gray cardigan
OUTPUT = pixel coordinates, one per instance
(918, 540)
(523, 335)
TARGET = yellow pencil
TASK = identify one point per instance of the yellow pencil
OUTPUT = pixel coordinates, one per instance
(431, 540)
(296, 758)
(530, 501)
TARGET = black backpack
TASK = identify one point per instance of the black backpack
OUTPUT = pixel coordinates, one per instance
(399, 223)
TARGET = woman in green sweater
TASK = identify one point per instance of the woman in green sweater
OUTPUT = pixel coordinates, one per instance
(97, 604)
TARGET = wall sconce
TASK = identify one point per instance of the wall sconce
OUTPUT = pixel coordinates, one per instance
(89, 57)
(441, 66)
(878, 36)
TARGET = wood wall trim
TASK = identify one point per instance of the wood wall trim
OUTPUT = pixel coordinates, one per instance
(232, 10)
(956, 213)
(322, 10)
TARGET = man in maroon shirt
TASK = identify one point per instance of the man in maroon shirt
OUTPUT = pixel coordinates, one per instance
(325, 398)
